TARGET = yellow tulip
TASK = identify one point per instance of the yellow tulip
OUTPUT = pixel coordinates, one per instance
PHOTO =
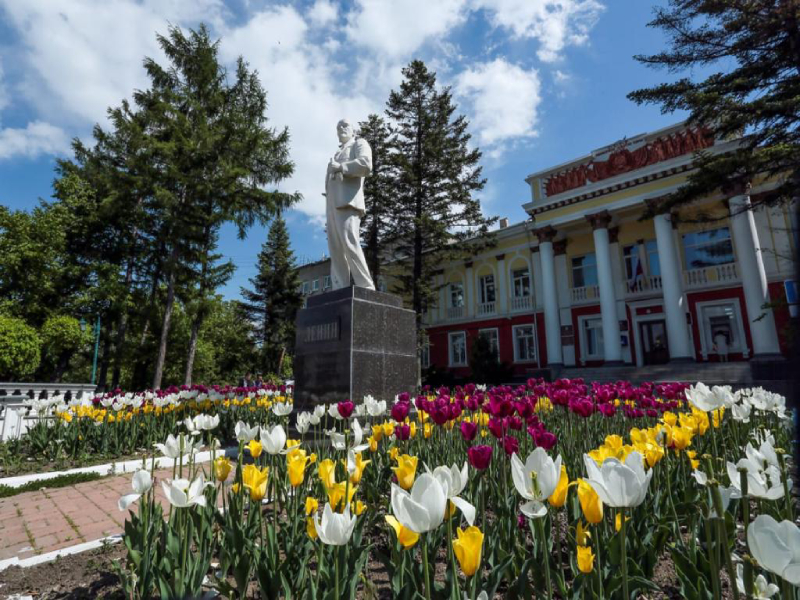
(377, 432)
(591, 505)
(296, 462)
(388, 429)
(451, 510)
(427, 430)
(405, 536)
(327, 473)
(311, 529)
(717, 416)
(293, 443)
(614, 441)
(393, 452)
(359, 507)
(312, 458)
(467, 547)
(582, 535)
(585, 559)
(406, 470)
(255, 448)
(355, 478)
(618, 521)
(559, 496)
(670, 418)
(692, 458)
(311, 505)
(412, 429)
(681, 437)
(373, 443)
(222, 468)
(336, 495)
(255, 480)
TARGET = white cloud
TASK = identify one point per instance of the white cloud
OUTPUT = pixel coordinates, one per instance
(4, 97)
(306, 92)
(398, 28)
(555, 24)
(35, 139)
(504, 99)
(323, 13)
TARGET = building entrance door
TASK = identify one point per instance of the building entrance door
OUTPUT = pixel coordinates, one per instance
(654, 342)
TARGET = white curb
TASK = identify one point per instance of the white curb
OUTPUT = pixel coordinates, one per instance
(115, 468)
(50, 556)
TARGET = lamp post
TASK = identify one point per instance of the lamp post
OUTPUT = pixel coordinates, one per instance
(96, 344)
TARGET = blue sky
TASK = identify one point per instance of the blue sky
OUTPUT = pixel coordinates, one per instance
(542, 81)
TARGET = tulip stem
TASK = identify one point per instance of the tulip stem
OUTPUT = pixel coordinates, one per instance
(624, 558)
(454, 591)
(336, 569)
(425, 567)
(788, 590)
(545, 555)
(712, 557)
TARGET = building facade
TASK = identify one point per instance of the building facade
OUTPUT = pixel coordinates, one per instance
(587, 282)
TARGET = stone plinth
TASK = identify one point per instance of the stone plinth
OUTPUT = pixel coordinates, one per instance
(353, 342)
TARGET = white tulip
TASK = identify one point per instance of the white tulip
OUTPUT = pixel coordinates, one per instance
(303, 423)
(141, 484)
(761, 483)
(762, 590)
(334, 529)
(619, 485)
(172, 447)
(424, 508)
(706, 399)
(764, 457)
(333, 411)
(206, 422)
(319, 412)
(188, 422)
(182, 493)
(281, 409)
(274, 440)
(244, 433)
(741, 412)
(375, 408)
(776, 547)
(454, 481)
(535, 480)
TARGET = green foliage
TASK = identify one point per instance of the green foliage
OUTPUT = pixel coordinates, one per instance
(6, 491)
(62, 333)
(19, 349)
(435, 173)
(753, 53)
(485, 364)
(272, 303)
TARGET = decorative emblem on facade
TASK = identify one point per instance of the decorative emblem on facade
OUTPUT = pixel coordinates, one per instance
(621, 160)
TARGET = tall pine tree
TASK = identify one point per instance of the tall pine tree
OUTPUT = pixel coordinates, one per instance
(437, 173)
(753, 48)
(378, 193)
(272, 303)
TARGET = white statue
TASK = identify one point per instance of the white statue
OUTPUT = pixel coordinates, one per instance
(344, 190)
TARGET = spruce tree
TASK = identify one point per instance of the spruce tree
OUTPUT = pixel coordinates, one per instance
(272, 303)
(436, 174)
(753, 48)
(377, 192)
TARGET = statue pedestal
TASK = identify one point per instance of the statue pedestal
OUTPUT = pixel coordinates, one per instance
(351, 343)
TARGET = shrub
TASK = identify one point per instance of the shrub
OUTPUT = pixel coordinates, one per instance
(19, 349)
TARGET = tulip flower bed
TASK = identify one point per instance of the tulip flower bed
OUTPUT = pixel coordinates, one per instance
(546, 490)
(116, 425)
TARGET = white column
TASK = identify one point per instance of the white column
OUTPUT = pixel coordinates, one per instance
(552, 324)
(612, 349)
(754, 278)
(502, 286)
(680, 345)
(470, 308)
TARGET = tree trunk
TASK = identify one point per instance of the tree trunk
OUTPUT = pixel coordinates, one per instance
(105, 360)
(280, 362)
(187, 377)
(166, 321)
(122, 322)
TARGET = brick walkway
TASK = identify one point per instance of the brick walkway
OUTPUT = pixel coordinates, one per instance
(38, 522)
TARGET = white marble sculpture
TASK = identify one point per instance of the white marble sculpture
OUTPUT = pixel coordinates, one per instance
(344, 190)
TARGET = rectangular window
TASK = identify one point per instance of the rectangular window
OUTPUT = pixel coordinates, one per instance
(326, 282)
(593, 338)
(458, 348)
(425, 354)
(315, 285)
(584, 271)
(490, 335)
(524, 343)
(633, 254)
(487, 289)
(456, 295)
(707, 248)
(306, 288)
(522, 283)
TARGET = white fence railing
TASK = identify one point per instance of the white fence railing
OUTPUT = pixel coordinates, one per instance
(588, 293)
(486, 308)
(716, 274)
(643, 285)
(521, 303)
(455, 312)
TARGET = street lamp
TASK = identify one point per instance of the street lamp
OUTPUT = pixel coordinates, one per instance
(96, 344)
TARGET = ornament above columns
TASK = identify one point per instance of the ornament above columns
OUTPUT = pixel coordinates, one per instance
(600, 220)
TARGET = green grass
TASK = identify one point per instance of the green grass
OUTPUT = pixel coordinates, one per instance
(7, 491)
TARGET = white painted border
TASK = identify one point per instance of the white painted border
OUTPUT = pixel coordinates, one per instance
(115, 468)
(51, 556)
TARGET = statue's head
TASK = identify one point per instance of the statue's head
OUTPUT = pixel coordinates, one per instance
(345, 131)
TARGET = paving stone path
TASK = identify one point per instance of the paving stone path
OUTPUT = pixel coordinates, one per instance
(51, 519)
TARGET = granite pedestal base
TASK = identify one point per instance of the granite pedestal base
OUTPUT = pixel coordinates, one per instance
(351, 343)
